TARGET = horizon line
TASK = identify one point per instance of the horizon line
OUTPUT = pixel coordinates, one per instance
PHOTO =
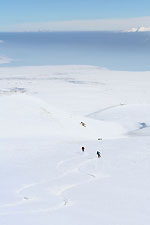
(115, 25)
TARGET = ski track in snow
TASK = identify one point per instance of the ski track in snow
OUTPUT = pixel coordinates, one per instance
(24, 187)
(60, 174)
(105, 109)
(40, 210)
(76, 165)
(59, 193)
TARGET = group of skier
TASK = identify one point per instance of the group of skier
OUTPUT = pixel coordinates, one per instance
(99, 139)
(98, 153)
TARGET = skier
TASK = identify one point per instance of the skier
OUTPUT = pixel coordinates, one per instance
(83, 148)
(83, 124)
(98, 154)
(99, 139)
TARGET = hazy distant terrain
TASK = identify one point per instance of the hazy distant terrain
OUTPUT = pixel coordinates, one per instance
(113, 50)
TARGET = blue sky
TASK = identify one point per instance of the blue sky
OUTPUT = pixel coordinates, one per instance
(14, 12)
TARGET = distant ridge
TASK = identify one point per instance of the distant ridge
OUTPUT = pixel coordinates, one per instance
(140, 29)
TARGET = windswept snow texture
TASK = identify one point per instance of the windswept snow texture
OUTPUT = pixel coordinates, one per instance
(45, 176)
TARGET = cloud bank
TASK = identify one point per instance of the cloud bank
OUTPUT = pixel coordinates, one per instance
(83, 25)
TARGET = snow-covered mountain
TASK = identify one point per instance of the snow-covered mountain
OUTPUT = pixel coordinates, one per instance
(45, 176)
(140, 29)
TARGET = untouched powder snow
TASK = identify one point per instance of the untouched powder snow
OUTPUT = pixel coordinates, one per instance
(24, 115)
(45, 176)
(134, 118)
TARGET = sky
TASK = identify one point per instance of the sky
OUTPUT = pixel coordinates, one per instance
(51, 14)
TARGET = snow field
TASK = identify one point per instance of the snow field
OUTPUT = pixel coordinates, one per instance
(45, 177)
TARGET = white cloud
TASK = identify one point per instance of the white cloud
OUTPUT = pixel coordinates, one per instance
(5, 60)
(84, 25)
(1, 41)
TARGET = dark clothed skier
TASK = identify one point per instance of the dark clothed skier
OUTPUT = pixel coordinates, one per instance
(98, 154)
(99, 139)
(83, 148)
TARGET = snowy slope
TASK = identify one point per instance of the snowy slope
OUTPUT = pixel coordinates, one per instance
(24, 115)
(134, 118)
(45, 177)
